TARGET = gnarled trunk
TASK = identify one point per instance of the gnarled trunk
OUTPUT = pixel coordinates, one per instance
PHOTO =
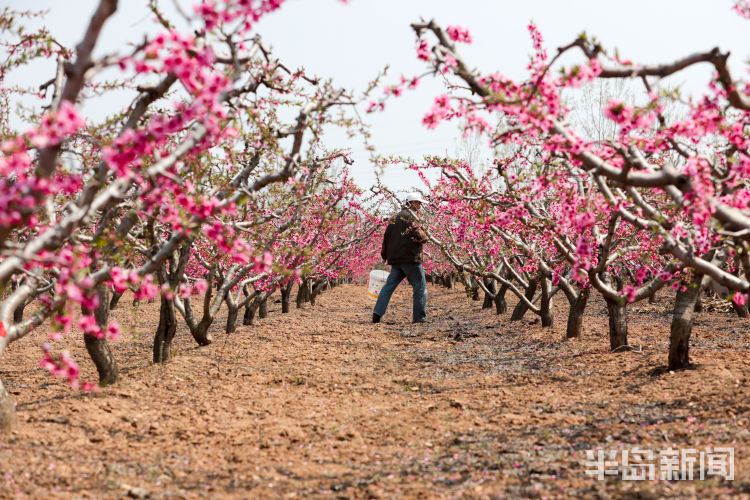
(201, 335)
(618, 324)
(682, 325)
(317, 289)
(521, 307)
(489, 298)
(286, 292)
(8, 417)
(448, 281)
(114, 300)
(249, 316)
(18, 313)
(473, 288)
(488, 301)
(172, 275)
(101, 355)
(545, 304)
(303, 294)
(740, 310)
(165, 331)
(263, 308)
(97, 348)
(232, 313)
(575, 315)
(501, 305)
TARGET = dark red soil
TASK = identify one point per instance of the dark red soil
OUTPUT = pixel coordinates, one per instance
(321, 403)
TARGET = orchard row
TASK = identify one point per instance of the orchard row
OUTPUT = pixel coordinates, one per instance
(213, 180)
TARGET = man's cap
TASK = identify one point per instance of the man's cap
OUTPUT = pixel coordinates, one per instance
(415, 197)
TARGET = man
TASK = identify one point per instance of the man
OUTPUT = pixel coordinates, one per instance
(402, 249)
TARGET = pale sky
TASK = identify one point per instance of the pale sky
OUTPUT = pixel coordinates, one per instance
(352, 42)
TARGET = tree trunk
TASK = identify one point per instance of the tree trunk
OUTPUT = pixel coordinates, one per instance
(114, 300)
(546, 303)
(618, 324)
(165, 331)
(198, 330)
(489, 298)
(465, 282)
(501, 305)
(286, 292)
(521, 307)
(488, 301)
(8, 417)
(98, 348)
(317, 289)
(741, 311)
(682, 325)
(263, 308)
(201, 334)
(249, 316)
(18, 313)
(575, 315)
(302, 294)
(232, 313)
(102, 357)
(474, 288)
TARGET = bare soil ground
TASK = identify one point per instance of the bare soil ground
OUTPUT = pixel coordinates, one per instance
(322, 403)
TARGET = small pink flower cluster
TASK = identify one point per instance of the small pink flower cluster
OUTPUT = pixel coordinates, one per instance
(148, 289)
(56, 126)
(459, 34)
(423, 51)
(246, 12)
(87, 323)
(200, 286)
(439, 111)
(618, 112)
(262, 263)
(742, 7)
(61, 365)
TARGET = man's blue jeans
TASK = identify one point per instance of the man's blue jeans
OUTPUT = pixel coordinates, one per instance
(415, 275)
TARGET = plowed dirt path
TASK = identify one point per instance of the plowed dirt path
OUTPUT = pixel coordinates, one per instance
(322, 403)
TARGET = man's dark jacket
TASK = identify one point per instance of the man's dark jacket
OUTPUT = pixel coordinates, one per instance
(402, 243)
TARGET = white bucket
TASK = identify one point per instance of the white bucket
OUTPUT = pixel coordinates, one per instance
(377, 280)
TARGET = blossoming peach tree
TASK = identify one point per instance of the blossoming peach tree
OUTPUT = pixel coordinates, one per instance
(219, 146)
(665, 200)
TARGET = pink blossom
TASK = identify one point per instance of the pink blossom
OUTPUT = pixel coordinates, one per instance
(201, 286)
(618, 112)
(459, 34)
(185, 290)
(87, 323)
(423, 52)
(119, 279)
(113, 330)
(74, 293)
